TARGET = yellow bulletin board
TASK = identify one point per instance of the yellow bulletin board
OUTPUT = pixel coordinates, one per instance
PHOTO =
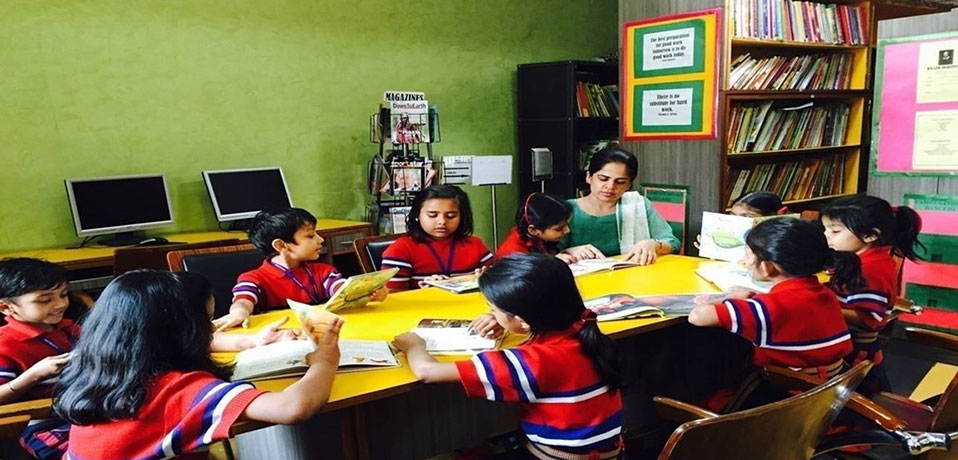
(670, 76)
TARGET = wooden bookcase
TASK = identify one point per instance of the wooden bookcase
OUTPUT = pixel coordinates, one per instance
(857, 96)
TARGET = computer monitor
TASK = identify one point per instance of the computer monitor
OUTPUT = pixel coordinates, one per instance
(239, 194)
(119, 205)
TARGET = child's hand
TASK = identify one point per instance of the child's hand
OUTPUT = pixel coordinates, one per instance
(566, 257)
(423, 284)
(327, 346)
(379, 295)
(485, 325)
(49, 366)
(698, 241)
(408, 341)
(479, 271)
(273, 333)
(232, 319)
(586, 251)
(739, 292)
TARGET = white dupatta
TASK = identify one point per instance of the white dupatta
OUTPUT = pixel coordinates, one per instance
(631, 221)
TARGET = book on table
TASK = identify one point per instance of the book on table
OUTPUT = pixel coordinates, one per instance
(727, 275)
(626, 306)
(457, 284)
(587, 266)
(452, 337)
(288, 358)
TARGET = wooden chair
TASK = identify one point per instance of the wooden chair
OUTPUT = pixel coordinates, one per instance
(785, 430)
(810, 215)
(672, 203)
(369, 250)
(154, 257)
(220, 265)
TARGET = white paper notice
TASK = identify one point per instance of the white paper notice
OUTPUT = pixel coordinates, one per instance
(937, 72)
(667, 107)
(936, 140)
(669, 49)
(491, 169)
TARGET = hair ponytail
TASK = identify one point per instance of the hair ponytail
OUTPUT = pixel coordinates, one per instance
(541, 211)
(847, 271)
(907, 227)
(603, 353)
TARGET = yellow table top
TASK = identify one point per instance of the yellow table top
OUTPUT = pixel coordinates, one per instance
(103, 255)
(402, 311)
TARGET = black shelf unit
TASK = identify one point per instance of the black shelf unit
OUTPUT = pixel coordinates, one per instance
(547, 116)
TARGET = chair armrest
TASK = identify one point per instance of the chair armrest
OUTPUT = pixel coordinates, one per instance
(916, 415)
(678, 411)
(932, 338)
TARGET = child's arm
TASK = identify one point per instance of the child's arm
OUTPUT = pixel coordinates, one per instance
(44, 368)
(270, 333)
(239, 312)
(703, 315)
(423, 365)
(485, 325)
(304, 398)
(852, 318)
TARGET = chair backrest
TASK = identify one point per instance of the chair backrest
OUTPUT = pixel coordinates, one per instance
(945, 416)
(132, 258)
(369, 250)
(672, 203)
(783, 430)
(220, 265)
(809, 214)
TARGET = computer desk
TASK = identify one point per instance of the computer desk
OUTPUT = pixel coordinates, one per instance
(402, 311)
(339, 236)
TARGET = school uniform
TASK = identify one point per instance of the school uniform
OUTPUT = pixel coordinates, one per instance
(567, 411)
(181, 412)
(798, 325)
(417, 261)
(269, 285)
(872, 303)
(514, 243)
(21, 346)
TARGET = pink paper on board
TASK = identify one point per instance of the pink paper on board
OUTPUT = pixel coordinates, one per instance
(671, 212)
(896, 139)
(938, 222)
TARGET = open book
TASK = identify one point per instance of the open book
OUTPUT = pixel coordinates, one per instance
(457, 284)
(284, 359)
(723, 235)
(354, 294)
(726, 275)
(452, 337)
(584, 267)
(625, 306)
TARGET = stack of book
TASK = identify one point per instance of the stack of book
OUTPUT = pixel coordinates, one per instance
(800, 21)
(761, 128)
(791, 73)
(594, 100)
(797, 180)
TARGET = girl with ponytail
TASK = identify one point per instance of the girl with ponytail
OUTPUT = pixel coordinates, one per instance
(877, 233)
(799, 323)
(541, 222)
(565, 375)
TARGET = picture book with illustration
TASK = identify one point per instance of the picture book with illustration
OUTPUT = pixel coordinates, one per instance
(625, 306)
(457, 284)
(354, 294)
(452, 336)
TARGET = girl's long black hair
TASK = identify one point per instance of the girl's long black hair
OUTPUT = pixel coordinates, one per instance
(540, 288)
(142, 326)
(867, 215)
(415, 230)
(800, 249)
(541, 211)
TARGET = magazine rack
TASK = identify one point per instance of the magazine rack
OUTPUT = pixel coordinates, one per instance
(400, 169)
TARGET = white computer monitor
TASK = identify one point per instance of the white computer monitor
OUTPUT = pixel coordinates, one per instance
(239, 194)
(119, 205)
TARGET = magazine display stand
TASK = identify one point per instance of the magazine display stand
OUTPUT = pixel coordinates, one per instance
(402, 167)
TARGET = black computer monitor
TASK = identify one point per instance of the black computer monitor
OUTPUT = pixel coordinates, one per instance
(239, 194)
(119, 205)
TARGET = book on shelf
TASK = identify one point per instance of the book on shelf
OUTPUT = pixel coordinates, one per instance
(723, 235)
(725, 275)
(587, 266)
(354, 294)
(452, 337)
(588, 149)
(798, 21)
(625, 306)
(792, 181)
(763, 127)
(813, 72)
(595, 100)
(288, 358)
(457, 284)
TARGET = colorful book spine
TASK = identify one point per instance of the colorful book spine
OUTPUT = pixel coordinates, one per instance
(799, 21)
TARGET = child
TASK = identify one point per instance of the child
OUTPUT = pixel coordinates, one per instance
(35, 344)
(799, 323)
(541, 222)
(565, 376)
(869, 227)
(291, 245)
(142, 384)
(439, 242)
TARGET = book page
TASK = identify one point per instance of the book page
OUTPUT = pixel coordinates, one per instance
(273, 359)
(584, 267)
(723, 236)
(725, 275)
(371, 353)
(457, 284)
(357, 290)
(451, 335)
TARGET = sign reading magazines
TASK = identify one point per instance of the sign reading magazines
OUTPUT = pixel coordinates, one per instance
(408, 117)
(669, 76)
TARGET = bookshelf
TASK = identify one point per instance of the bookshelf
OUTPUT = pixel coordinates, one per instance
(549, 102)
(772, 59)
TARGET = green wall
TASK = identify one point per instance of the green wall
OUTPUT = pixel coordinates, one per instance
(109, 87)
